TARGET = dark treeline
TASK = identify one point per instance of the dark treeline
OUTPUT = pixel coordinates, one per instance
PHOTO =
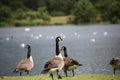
(23, 12)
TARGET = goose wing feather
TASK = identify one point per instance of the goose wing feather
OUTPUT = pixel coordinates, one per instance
(52, 63)
(70, 62)
(24, 64)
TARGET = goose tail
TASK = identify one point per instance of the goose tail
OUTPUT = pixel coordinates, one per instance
(45, 71)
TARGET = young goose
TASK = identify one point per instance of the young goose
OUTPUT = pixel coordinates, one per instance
(54, 65)
(115, 63)
(70, 64)
(25, 65)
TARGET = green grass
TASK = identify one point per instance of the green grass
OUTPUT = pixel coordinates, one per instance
(76, 77)
(60, 20)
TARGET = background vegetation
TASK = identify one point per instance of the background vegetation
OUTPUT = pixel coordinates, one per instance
(43, 12)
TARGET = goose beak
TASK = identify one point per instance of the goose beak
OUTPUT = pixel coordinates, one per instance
(61, 49)
(26, 46)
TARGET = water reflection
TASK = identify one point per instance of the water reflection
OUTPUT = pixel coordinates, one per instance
(7, 38)
(22, 45)
(27, 29)
(40, 35)
(94, 33)
(105, 33)
(93, 40)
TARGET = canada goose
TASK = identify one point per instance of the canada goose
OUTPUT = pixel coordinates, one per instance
(115, 63)
(25, 65)
(55, 64)
(70, 64)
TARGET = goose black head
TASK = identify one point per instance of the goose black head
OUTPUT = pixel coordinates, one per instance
(29, 50)
(114, 61)
(58, 38)
(65, 51)
(27, 46)
(63, 48)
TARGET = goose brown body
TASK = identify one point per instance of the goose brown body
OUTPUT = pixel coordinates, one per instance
(53, 65)
(70, 64)
(26, 64)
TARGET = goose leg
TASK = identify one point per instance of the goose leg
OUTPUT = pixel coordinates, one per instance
(59, 76)
(20, 73)
(114, 71)
(73, 73)
(27, 72)
(65, 73)
(57, 73)
(52, 76)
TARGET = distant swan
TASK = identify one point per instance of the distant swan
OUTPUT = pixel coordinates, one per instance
(70, 64)
(115, 63)
(25, 65)
(54, 65)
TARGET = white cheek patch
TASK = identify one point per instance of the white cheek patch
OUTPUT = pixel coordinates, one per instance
(59, 39)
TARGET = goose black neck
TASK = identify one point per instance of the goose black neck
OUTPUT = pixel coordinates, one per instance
(28, 53)
(65, 53)
(57, 48)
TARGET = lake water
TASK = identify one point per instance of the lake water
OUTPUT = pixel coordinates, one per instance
(92, 45)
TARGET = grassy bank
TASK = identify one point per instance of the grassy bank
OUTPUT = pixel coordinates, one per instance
(77, 77)
(60, 20)
(57, 20)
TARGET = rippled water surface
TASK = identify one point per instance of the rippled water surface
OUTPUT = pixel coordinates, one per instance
(93, 46)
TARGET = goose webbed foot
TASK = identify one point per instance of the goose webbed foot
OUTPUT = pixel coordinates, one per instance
(59, 77)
